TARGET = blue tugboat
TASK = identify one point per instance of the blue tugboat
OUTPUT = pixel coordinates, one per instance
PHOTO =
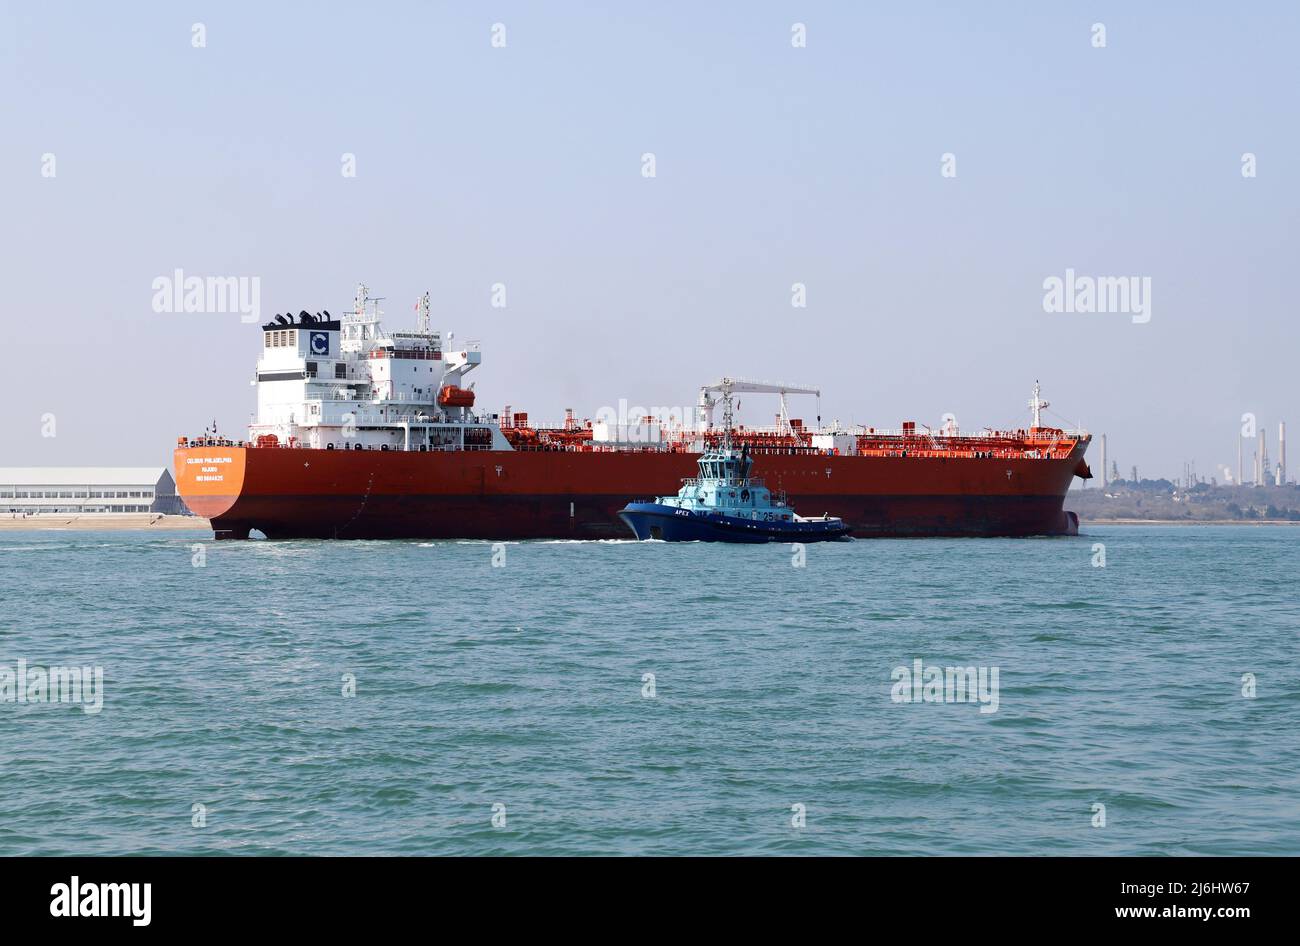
(725, 504)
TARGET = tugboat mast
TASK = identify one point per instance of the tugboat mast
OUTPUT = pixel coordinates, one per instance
(726, 419)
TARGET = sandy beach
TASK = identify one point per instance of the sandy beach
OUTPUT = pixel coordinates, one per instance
(104, 522)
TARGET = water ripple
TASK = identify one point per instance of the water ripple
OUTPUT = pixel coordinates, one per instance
(621, 698)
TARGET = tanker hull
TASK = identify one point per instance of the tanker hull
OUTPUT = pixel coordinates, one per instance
(499, 495)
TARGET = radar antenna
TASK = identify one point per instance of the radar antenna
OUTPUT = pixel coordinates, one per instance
(361, 327)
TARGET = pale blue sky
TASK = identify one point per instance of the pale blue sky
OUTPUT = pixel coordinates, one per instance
(775, 165)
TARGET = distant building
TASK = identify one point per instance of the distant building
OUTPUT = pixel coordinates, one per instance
(88, 489)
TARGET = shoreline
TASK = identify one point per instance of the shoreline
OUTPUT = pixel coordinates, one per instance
(104, 522)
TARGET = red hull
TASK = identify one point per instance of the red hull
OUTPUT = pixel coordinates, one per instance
(367, 494)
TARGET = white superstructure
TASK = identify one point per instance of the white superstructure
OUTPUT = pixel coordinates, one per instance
(348, 384)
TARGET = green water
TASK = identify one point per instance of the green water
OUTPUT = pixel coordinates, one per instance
(525, 687)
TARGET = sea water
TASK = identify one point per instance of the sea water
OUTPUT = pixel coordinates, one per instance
(1139, 695)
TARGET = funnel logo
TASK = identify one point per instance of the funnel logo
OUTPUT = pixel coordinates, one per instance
(320, 343)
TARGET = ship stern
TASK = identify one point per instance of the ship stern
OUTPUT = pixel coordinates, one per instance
(210, 480)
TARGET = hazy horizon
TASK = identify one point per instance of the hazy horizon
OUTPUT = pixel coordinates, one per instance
(774, 164)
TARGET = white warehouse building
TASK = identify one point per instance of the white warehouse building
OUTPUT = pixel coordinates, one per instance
(88, 489)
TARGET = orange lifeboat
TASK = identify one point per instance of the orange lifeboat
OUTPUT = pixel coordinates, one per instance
(452, 396)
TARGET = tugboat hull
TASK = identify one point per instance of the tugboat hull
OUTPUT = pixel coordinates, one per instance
(674, 524)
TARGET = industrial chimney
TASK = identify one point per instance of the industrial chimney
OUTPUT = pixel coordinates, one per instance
(1281, 453)
(1260, 459)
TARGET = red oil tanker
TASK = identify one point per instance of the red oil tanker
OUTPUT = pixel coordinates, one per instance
(366, 434)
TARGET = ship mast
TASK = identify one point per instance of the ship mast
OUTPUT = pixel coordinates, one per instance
(422, 307)
(726, 416)
(1036, 404)
(361, 325)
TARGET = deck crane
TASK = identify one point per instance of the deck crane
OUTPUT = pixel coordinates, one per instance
(726, 387)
